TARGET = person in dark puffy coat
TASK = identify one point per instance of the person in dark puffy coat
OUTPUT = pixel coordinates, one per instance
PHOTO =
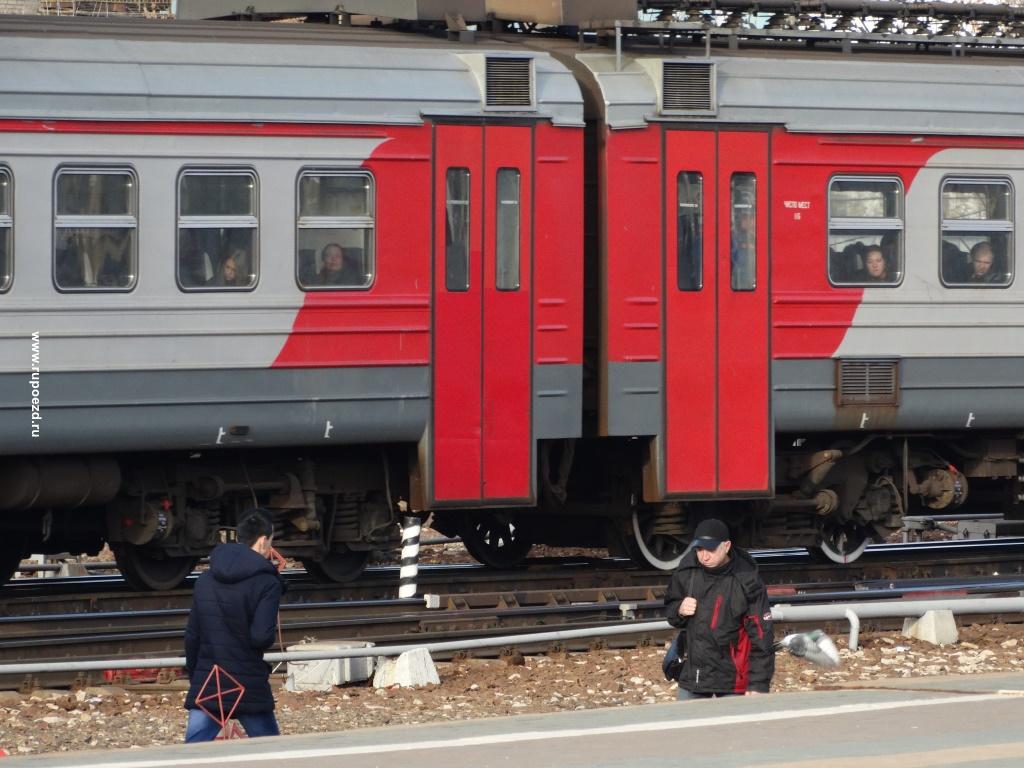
(232, 622)
(718, 598)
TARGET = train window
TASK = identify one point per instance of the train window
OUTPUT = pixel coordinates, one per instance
(743, 231)
(456, 230)
(977, 233)
(95, 228)
(217, 229)
(6, 230)
(507, 230)
(335, 230)
(690, 231)
(865, 231)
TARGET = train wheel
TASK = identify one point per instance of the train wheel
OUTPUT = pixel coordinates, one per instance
(496, 539)
(150, 569)
(658, 540)
(340, 565)
(844, 543)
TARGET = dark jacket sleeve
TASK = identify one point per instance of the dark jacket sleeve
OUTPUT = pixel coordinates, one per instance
(673, 597)
(758, 624)
(263, 630)
(191, 641)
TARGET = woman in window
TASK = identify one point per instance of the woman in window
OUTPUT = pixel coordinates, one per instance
(876, 266)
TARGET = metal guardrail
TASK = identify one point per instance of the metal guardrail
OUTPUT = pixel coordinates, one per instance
(787, 613)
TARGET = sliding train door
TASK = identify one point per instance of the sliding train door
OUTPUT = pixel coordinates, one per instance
(482, 439)
(718, 436)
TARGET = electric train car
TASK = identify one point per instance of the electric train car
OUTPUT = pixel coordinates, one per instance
(542, 291)
(337, 274)
(809, 307)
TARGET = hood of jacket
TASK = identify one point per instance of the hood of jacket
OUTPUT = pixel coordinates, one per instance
(231, 563)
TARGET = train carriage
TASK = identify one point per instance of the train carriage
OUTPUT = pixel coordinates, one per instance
(336, 273)
(750, 357)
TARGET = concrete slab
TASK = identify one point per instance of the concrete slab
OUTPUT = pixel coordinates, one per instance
(993, 682)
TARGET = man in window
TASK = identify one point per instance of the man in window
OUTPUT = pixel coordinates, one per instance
(982, 258)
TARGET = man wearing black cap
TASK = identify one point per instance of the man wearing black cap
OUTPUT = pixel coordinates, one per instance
(717, 596)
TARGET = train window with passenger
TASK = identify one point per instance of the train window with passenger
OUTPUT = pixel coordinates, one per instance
(690, 231)
(977, 233)
(335, 230)
(743, 232)
(507, 230)
(6, 229)
(865, 231)
(218, 228)
(456, 230)
(95, 226)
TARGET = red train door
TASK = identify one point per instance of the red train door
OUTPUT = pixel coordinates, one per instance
(482, 440)
(718, 437)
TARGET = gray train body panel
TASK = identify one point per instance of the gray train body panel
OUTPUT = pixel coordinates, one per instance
(827, 94)
(934, 393)
(104, 411)
(176, 72)
(634, 399)
(412, 10)
(557, 401)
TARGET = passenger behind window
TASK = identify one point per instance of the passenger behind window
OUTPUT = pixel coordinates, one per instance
(115, 271)
(853, 263)
(229, 271)
(954, 263)
(340, 266)
(68, 269)
(982, 261)
(876, 266)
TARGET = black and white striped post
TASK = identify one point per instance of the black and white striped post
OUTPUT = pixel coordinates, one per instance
(410, 556)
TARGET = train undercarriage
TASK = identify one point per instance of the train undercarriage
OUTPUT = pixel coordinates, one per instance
(160, 513)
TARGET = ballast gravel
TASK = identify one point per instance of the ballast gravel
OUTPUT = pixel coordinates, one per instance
(139, 716)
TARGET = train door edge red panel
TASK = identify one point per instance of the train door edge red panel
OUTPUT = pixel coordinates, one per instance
(507, 321)
(745, 444)
(690, 313)
(456, 460)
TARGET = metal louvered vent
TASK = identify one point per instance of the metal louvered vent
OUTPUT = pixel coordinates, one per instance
(508, 82)
(687, 86)
(868, 382)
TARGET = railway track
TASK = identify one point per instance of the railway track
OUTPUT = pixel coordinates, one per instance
(113, 623)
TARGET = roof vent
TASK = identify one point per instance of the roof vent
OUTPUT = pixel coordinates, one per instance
(868, 382)
(687, 87)
(509, 82)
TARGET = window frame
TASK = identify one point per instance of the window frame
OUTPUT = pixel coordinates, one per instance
(80, 221)
(854, 224)
(223, 222)
(7, 223)
(699, 205)
(360, 223)
(468, 202)
(499, 252)
(734, 179)
(989, 225)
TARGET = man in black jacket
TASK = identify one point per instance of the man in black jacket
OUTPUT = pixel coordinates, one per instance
(717, 596)
(232, 622)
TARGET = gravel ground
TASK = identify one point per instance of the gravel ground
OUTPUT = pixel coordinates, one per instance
(101, 718)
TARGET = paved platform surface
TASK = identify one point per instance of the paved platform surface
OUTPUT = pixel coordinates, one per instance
(967, 722)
